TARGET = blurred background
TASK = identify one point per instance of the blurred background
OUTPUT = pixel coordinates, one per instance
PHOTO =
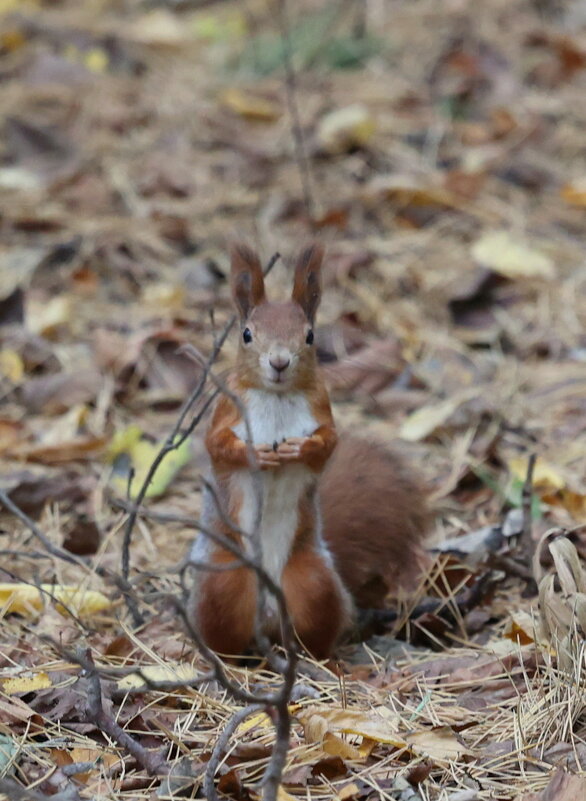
(436, 146)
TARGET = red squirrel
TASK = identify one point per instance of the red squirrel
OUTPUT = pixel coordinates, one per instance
(341, 521)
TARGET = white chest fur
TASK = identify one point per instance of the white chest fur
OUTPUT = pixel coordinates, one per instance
(274, 417)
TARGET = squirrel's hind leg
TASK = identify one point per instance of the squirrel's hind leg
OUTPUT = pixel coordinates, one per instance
(318, 603)
(223, 607)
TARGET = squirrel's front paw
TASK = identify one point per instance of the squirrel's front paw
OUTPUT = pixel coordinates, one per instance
(298, 449)
(267, 457)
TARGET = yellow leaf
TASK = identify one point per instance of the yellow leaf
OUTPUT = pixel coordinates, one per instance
(283, 795)
(262, 720)
(250, 105)
(11, 365)
(335, 746)
(142, 454)
(511, 257)
(178, 672)
(545, 476)
(26, 684)
(423, 422)
(345, 128)
(27, 600)
(379, 724)
(575, 192)
(96, 60)
(348, 791)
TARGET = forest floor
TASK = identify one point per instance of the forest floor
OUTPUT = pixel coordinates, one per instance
(440, 156)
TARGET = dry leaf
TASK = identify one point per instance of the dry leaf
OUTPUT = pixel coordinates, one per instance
(158, 673)
(380, 724)
(575, 192)
(423, 422)
(27, 600)
(562, 787)
(159, 28)
(26, 683)
(545, 476)
(250, 105)
(511, 257)
(346, 128)
(142, 453)
(439, 744)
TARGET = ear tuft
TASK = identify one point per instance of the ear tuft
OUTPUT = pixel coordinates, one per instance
(246, 278)
(307, 283)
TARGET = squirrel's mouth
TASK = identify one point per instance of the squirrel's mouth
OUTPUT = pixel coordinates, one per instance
(278, 379)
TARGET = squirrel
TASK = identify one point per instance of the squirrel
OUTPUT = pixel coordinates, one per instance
(342, 519)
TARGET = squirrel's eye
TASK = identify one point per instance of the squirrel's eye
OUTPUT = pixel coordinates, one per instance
(309, 337)
(247, 335)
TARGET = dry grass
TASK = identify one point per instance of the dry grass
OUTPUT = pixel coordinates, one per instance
(152, 173)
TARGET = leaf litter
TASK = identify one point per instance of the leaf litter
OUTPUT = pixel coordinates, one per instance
(445, 172)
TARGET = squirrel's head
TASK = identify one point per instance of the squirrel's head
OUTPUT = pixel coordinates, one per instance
(276, 339)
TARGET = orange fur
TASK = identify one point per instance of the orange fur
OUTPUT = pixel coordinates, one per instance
(315, 599)
(225, 613)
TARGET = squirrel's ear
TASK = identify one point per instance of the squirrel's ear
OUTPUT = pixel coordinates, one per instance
(307, 284)
(246, 279)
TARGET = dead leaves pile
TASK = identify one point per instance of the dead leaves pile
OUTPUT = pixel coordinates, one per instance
(444, 145)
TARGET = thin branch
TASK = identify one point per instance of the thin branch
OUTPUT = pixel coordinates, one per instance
(54, 550)
(153, 762)
(209, 787)
(301, 157)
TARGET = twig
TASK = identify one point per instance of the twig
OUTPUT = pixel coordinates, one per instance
(209, 787)
(526, 502)
(291, 95)
(54, 550)
(152, 761)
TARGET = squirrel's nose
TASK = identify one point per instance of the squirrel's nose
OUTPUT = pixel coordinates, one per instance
(279, 364)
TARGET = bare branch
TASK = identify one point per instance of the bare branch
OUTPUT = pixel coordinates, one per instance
(220, 746)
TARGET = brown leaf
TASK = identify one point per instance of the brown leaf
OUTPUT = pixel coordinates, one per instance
(330, 768)
(30, 491)
(82, 536)
(562, 787)
(53, 394)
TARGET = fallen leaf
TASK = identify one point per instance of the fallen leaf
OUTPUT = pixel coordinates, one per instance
(159, 28)
(423, 422)
(47, 317)
(575, 192)
(379, 724)
(11, 366)
(26, 684)
(25, 599)
(511, 257)
(250, 104)
(141, 454)
(58, 392)
(562, 787)
(345, 129)
(158, 673)
(545, 476)
(439, 744)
